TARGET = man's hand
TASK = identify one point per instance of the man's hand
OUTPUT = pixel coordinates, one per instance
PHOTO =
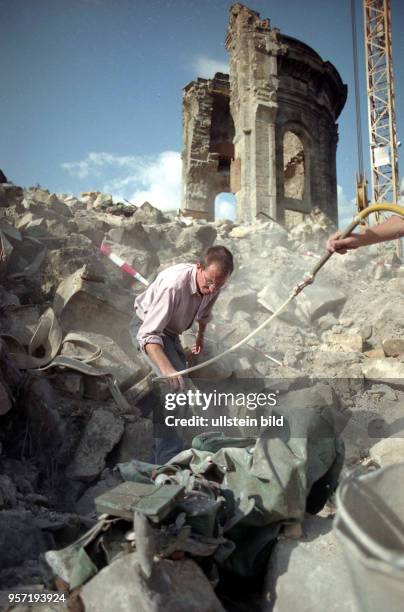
(156, 353)
(177, 382)
(335, 244)
(197, 348)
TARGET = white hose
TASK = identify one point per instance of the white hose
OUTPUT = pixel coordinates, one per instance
(232, 348)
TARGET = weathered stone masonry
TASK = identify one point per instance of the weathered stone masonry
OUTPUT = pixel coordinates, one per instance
(267, 132)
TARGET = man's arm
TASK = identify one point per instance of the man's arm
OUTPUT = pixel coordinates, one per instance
(156, 353)
(204, 316)
(149, 334)
(391, 229)
(197, 348)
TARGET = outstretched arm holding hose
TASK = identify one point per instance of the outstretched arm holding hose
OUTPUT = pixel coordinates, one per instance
(391, 229)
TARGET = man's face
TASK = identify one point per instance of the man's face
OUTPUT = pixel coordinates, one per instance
(210, 279)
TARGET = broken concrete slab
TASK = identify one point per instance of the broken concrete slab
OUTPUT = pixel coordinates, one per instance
(102, 433)
(97, 307)
(174, 586)
(289, 562)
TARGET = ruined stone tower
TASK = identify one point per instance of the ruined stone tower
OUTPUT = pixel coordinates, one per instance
(267, 132)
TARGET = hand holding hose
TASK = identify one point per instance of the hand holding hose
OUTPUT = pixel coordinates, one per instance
(336, 244)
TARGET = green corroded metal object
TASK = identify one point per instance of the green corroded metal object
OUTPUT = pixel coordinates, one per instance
(153, 501)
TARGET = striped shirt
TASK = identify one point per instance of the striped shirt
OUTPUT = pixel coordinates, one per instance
(171, 303)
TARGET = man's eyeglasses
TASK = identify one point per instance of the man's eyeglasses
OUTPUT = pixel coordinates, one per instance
(210, 283)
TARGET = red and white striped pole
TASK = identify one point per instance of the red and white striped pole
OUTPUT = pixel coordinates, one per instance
(125, 267)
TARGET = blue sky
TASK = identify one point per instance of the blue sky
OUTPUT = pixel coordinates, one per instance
(91, 89)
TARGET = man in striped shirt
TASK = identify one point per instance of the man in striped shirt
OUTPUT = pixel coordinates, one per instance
(180, 295)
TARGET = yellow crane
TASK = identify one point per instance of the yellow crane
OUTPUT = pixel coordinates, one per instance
(381, 106)
(381, 101)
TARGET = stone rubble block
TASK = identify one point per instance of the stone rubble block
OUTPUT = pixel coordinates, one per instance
(241, 231)
(238, 300)
(148, 214)
(321, 299)
(92, 227)
(20, 538)
(376, 353)
(309, 575)
(136, 442)
(47, 425)
(174, 586)
(388, 451)
(130, 233)
(45, 205)
(327, 321)
(196, 238)
(60, 228)
(345, 342)
(69, 382)
(393, 347)
(8, 492)
(102, 201)
(32, 224)
(381, 369)
(10, 195)
(314, 302)
(5, 399)
(74, 204)
(102, 433)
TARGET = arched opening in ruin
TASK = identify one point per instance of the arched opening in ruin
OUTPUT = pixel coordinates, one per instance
(293, 166)
(225, 206)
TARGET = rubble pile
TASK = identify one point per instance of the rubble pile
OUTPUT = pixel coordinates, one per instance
(73, 389)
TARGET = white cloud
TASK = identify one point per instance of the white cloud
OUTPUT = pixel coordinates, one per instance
(206, 67)
(346, 208)
(156, 179)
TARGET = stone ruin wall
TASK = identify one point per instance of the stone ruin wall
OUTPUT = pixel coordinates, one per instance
(267, 132)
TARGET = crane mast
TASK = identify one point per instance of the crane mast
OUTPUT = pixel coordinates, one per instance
(381, 101)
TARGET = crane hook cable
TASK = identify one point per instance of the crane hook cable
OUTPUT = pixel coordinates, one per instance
(307, 280)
